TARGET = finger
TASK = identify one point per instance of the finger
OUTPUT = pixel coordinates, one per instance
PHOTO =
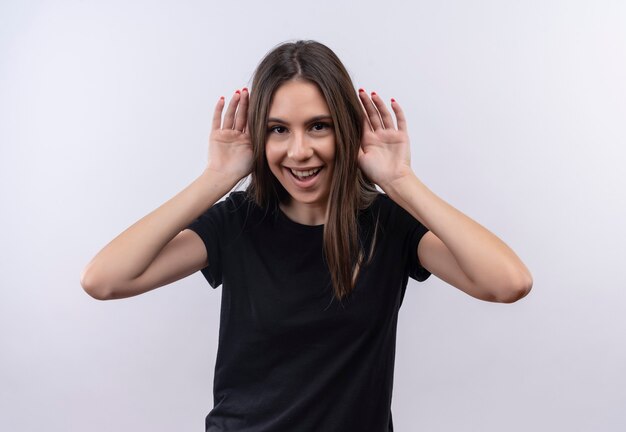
(401, 119)
(217, 114)
(370, 109)
(242, 110)
(366, 122)
(364, 117)
(245, 125)
(385, 115)
(229, 117)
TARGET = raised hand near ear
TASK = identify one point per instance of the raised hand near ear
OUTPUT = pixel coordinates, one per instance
(385, 154)
(230, 146)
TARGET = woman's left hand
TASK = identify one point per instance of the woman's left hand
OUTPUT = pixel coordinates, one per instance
(385, 153)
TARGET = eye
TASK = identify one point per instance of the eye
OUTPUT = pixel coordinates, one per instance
(276, 129)
(320, 126)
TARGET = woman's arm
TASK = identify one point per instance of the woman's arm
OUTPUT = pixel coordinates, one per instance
(457, 249)
(116, 271)
(153, 251)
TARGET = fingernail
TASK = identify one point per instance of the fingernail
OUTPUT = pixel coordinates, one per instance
(393, 100)
(245, 89)
(237, 92)
(221, 97)
(361, 90)
(373, 93)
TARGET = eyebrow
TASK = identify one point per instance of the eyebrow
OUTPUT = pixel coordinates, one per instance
(311, 120)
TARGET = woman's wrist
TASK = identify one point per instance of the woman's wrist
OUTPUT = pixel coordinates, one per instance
(215, 182)
(397, 185)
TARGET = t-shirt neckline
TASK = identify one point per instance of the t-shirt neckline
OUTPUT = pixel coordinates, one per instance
(296, 225)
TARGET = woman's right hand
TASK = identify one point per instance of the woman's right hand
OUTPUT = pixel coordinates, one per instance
(230, 146)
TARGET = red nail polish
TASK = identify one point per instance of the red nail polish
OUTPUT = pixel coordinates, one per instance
(373, 93)
(237, 92)
(245, 89)
(393, 100)
(221, 97)
(361, 90)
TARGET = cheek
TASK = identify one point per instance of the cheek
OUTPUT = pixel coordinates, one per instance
(329, 151)
(273, 157)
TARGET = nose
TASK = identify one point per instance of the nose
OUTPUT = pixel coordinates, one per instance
(299, 148)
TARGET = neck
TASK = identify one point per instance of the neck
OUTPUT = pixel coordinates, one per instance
(305, 213)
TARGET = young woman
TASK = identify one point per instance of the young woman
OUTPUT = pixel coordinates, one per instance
(313, 261)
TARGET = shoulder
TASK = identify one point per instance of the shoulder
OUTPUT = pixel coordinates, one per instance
(236, 202)
(240, 210)
(236, 198)
(382, 207)
(392, 217)
(226, 211)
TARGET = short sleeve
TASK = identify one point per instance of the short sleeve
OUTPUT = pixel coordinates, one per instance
(210, 226)
(416, 270)
(412, 231)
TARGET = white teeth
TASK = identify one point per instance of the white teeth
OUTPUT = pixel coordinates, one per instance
(305, 173)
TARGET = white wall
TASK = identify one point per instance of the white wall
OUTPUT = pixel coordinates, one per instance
(517, 115)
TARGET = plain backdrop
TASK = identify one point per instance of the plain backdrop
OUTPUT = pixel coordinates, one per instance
(517, 117)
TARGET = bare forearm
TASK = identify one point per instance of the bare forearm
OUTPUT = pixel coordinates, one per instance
(129, 254)
(483, 257)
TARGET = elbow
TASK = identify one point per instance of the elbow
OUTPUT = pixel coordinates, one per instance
(93, 287)
(516, 291)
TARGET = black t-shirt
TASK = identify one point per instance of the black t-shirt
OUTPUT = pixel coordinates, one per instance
(290, 356)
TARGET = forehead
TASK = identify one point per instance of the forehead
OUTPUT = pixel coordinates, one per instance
(298, 100)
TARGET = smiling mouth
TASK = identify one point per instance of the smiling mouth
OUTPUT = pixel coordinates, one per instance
(303, 175)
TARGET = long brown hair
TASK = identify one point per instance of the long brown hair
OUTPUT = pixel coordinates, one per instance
(350, 190)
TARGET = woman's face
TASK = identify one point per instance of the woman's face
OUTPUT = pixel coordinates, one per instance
(300, 146)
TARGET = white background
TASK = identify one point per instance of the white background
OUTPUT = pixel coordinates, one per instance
(517, 117)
